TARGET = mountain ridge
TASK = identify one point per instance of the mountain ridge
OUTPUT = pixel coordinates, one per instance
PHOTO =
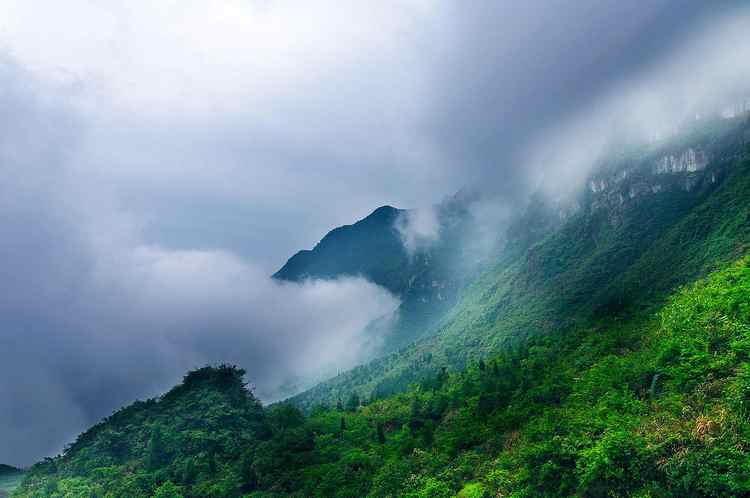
(425, 280)
(536, 288)
(302, 265)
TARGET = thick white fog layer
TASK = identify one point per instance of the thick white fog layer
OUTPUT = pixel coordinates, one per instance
(160, 159)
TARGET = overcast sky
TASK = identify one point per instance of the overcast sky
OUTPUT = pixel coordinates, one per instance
(160, 159)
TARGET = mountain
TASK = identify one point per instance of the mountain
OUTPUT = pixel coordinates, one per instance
(602, 350)
(210, 422)
(371, 247)
(426, 280)
(649, 405)
(650, 218)
(8, 469)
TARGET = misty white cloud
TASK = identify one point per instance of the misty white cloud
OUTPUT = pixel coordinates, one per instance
(703, 76)
(94, 316)
(203, 117)
(419, 228)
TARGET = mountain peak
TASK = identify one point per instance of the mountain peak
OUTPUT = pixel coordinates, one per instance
(362, 248)
(383, 211)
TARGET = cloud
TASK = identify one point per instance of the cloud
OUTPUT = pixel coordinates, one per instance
(94, 316)
(518, 72)
(222, 115)
(418, 228)
(701, 77)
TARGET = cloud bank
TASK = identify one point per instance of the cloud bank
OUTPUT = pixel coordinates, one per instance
(519, 72)
(94, 316)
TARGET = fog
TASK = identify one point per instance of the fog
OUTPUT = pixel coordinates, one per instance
(95, 316)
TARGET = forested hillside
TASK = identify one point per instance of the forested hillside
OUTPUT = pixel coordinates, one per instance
(653, 405)
(639, 231)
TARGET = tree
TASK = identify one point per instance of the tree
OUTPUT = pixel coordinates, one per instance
(247, 472)
(381, 433)
(442, 376)
(486, 405)
(286, 416)
(212, 467)
(156, 455)
(168, 490)
(353, 403)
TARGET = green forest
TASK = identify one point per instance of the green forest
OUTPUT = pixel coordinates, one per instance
(656, 405)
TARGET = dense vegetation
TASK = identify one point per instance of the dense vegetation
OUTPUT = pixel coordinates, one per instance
(656, 405)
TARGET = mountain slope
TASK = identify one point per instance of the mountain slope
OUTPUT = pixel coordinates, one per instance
(652, 405)
(639, 232)
(574, 366)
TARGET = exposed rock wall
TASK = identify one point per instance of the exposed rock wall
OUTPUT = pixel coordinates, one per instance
(690, 161)
(682, 170)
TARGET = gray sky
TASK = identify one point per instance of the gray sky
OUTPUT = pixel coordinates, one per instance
(160, 159)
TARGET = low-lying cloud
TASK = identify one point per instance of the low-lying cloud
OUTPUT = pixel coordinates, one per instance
(418, 228)
(94, 316)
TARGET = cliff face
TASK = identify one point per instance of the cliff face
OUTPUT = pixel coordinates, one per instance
(684, 170)
(689, 161)
(693, 162)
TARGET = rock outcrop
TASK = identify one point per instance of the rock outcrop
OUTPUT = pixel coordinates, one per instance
(689, 161)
